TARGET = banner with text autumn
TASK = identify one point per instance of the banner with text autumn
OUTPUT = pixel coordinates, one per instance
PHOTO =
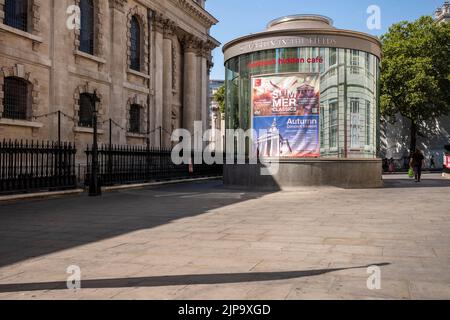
(285, 115)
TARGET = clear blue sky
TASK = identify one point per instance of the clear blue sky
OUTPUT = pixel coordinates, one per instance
(241, 17)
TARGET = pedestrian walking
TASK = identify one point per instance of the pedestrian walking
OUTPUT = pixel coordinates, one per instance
(417, 163)
(385, 165)
(391, 165)
(432, 163)
(406, 162)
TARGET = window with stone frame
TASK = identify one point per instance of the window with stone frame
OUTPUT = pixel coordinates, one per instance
(85, 113)
(87, 26)
(135, 44)
(16, 98)
(135, 118)
(16, 14)
(137, 40)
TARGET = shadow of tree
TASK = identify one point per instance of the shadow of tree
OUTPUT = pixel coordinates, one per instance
(398, 182)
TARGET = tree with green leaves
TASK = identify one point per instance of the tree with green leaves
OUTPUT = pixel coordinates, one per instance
(415, 76)
(219, 97)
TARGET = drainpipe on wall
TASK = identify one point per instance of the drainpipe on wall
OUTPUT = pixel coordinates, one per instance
(150, 15)
(52, 70)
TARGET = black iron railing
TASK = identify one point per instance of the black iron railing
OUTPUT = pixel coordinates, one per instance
(130, 164)
(36, 166)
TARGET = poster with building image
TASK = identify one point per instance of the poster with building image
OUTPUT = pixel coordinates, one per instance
(285, 115)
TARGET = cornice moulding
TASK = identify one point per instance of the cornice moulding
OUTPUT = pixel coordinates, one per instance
(197, 12)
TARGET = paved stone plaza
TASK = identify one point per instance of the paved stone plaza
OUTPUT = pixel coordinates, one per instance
(203, 241)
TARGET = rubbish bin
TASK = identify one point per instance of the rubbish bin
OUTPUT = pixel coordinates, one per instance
(447, 160)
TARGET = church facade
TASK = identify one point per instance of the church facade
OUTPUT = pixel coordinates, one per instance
(148, 62)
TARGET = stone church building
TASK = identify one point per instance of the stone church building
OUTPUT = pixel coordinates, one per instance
(147, 60)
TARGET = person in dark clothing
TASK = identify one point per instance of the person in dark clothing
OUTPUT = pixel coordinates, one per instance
(417, 163)
(391, 165)
(385, 165)
(406, 162)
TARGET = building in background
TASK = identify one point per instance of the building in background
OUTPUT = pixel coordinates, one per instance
(148, 60)
(443, 14)
(395, 137)
(217, 120)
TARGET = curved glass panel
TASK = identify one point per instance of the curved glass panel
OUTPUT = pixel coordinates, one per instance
(349, 106)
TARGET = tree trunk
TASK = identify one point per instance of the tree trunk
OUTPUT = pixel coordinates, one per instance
(413, 130)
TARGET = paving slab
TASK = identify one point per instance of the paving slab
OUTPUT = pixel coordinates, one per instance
(205, 241)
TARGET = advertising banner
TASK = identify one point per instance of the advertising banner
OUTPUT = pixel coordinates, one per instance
(285, 115)
(447, 163)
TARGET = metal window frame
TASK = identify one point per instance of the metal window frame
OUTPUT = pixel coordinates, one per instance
(135, 118)
(87, 28)
(135, 44)
(14, 19)
(16, 98)
(85, 112)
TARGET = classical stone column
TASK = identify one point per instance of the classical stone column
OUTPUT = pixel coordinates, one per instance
(202, 106)
(169, 28)
(116, 110)
(190, 83)
(203, 102)
(213, 125)
(158, 26)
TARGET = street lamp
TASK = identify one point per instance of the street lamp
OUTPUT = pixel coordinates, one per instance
(94, 186)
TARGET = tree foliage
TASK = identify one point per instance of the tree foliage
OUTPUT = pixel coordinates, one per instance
(219, 97)
(415, 77)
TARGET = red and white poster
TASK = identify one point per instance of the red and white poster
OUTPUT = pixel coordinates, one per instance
(447, 161)
(285, 115)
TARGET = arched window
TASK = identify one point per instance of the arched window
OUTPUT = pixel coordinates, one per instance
(135, 49)
(16, 14)
(135, 118)
(85, 113)
(16, 101)
(87, 27)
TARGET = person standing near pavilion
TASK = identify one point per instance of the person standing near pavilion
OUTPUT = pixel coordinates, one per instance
(432, 163)
(417, 163)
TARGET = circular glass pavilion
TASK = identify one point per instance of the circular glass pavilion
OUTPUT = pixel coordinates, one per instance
(318, 86)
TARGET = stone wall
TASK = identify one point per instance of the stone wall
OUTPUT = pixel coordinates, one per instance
(174, 34)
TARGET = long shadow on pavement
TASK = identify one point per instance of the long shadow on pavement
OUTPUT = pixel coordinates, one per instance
(160, 281)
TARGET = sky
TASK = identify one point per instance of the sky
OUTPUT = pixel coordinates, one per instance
(242, 17)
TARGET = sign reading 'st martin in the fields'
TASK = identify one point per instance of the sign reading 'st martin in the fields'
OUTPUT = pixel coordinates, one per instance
(276, 42)
(289, 42)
